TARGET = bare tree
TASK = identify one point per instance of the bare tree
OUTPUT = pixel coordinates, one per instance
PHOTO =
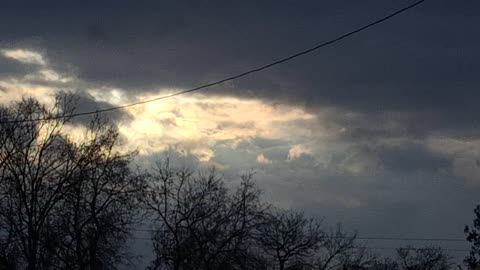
(338, 250)
(199, 223)
(382, 264)
(428, 258)
(289, 238)
(358, 259)
(63, 204)
(35, 170)
(408, 258)
(99, 209)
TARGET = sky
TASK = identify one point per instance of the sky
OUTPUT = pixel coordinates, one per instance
(379, 131)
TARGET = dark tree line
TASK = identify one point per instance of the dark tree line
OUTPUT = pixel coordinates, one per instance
(72, 202)
(200, 224)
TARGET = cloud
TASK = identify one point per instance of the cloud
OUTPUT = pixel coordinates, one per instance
(263, 160)
(464, 156)
(52, 75)
(84, 102)
(13, 90)
(44, 83)
(24, 56)
(407, 155)
(197, 124)
(297, 151)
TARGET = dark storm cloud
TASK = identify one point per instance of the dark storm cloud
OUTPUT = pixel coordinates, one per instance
(393, 204)
(12, 68)
(417, 71)
(407, 157)
(169, 44)
(424, 61)
(95, 32)
(267, 143)
(83, 102)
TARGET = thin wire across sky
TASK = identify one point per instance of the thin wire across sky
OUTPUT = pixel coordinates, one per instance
(234, 77)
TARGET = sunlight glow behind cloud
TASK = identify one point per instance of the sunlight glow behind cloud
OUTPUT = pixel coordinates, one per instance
(195, 124)
(13, 90)
(263, 160)
(202, 125)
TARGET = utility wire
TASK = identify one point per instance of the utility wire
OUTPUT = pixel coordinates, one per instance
(254, 70)
(362, 247)
(367, 237)
(416, 248)
(412, 239)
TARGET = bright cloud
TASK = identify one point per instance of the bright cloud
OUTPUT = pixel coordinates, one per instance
(263, 160)
(193, 125)
(297, 151)
(24, 56)
(13, 90)
(196, 124)
(52, 75)
(44, 73)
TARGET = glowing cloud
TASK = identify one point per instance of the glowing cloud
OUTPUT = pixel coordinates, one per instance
(13, 90)
(196, 124)
(52, 75)
(297, 151)
(263, 160)
(24, 56)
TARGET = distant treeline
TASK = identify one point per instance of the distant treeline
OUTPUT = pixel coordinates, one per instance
(74, 201)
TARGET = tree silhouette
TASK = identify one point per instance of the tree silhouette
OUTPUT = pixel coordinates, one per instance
(289, 239)
(383, 264)
(64, 204)
(428, 258)
(199, 223)
(338, 251)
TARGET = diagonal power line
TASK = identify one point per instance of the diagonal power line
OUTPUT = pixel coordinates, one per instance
(234, 77)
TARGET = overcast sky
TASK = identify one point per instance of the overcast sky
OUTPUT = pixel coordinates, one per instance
(380, 131)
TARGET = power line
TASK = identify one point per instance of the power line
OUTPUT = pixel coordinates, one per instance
(243, 74)
(362, 247)
(420, 239)
(416, 248)
(412, 239)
